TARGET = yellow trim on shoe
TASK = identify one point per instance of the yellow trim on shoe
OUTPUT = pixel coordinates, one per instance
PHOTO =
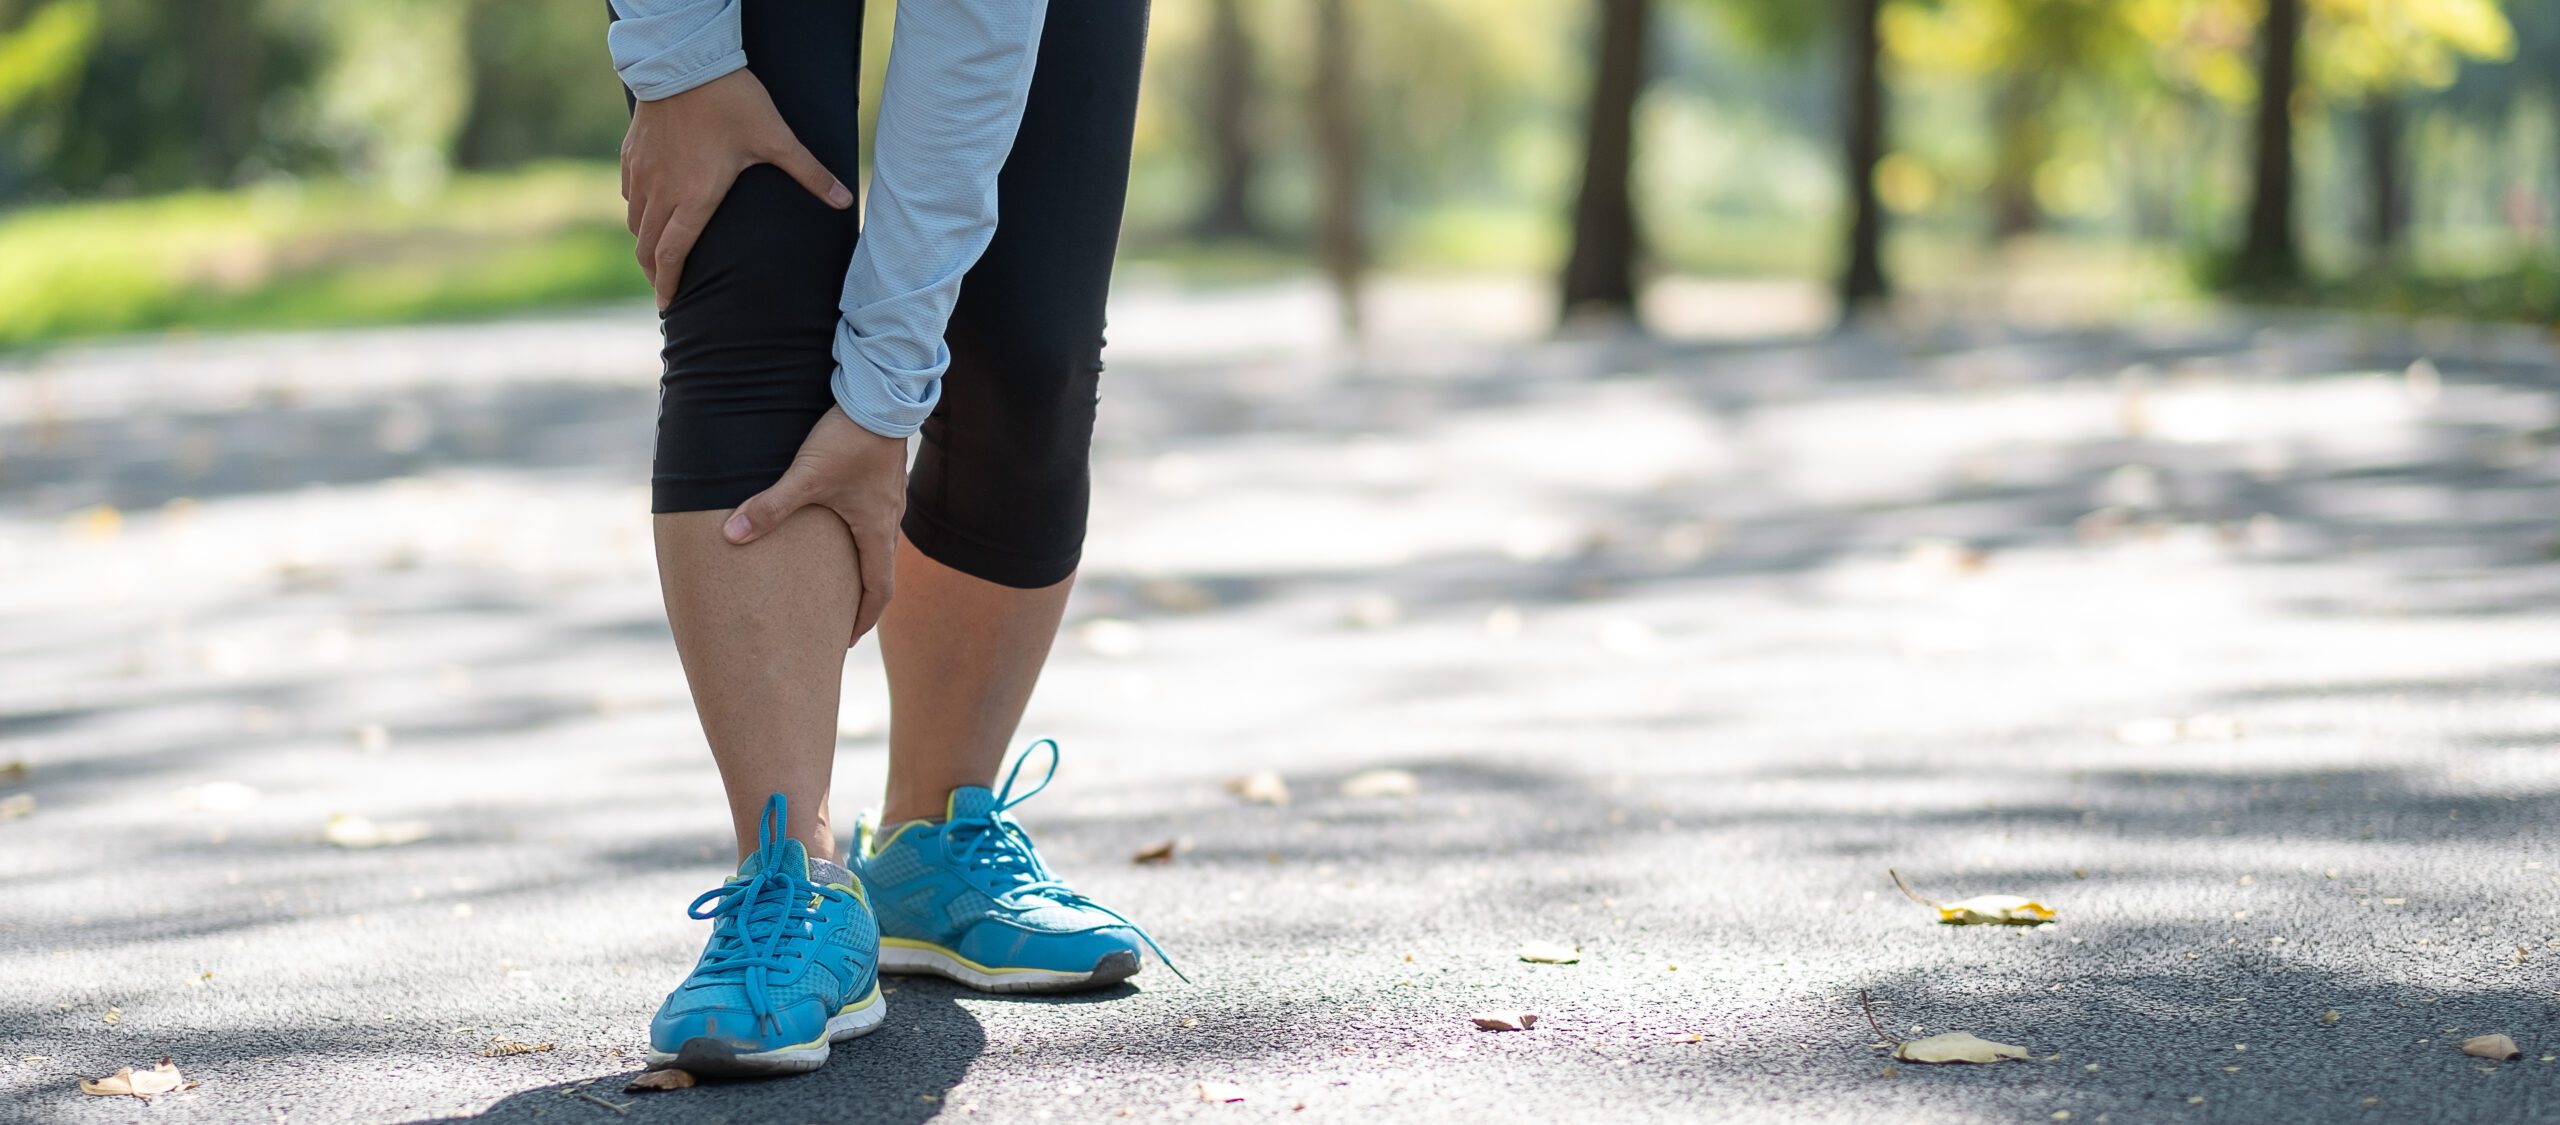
(865, 1002)
(911, 943)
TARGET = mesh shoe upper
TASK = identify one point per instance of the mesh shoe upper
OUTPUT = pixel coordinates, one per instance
(974, 885)
(792, 943)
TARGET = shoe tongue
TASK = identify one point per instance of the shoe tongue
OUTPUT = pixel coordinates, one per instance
(971, 800)
(790, 854)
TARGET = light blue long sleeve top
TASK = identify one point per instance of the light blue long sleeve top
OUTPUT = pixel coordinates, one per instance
(951, 103)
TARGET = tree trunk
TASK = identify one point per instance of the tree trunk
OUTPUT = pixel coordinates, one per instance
(1600, 271)
(2388, 218)
(2019, 110)
(223, 55)
(1862, 282)
(1340, 243)
(1227, 119)
(2271, 256)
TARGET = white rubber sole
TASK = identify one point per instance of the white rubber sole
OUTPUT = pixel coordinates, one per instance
(713, 1059)
(931, 960)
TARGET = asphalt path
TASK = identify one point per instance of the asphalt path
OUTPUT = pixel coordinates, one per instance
(2231, 640)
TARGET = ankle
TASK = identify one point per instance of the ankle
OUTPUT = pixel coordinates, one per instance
(891, 816)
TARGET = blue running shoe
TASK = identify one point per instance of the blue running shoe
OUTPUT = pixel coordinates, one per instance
(793, 966)
(967, 898)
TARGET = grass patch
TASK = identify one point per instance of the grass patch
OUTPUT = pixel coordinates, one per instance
(312, 255)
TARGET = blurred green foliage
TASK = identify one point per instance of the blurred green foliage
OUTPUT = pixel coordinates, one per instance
(270, 162)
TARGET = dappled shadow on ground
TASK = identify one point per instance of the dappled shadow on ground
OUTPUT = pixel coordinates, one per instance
(901, 1073)
(2400, 866)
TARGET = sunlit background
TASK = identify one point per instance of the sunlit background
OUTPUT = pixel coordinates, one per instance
(1708, 453)
(225, 164)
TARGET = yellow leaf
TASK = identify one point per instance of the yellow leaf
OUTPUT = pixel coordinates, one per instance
(1261, 787)
(668, 1079)
(1981, 910)
(1956, 1047)
(1381, 783)
(2497, 1047)
(349, 830)
(1549, 953)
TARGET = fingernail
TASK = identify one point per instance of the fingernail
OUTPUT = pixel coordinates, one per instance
(737, 527)
(838, 195)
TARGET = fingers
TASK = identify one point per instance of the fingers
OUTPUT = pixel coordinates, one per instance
(675, 242)
(653, 222)
(766, 510)
(787, 153)
(875, 552)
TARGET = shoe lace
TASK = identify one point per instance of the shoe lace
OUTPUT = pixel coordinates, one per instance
(757, 930)
(994, 846)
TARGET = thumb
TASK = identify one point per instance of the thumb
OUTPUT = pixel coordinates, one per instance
(787, 153)
(764, 511)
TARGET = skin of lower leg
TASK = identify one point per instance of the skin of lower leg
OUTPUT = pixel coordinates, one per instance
(962, 655)
(761, 629)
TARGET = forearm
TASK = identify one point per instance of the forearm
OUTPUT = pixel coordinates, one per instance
(959, 72)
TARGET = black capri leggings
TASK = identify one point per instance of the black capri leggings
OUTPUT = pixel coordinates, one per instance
(1001, 482)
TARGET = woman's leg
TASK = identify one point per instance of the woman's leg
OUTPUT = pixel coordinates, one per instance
(963, 654)
(761, 631)
(749, 348)
(996, 502)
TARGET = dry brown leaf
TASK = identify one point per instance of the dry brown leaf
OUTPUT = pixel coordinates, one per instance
(1221, 1092)
(16, 805)
(668, 1079)
(1159, 852)
(1381, 783)
(14, 770)
(1505, 1021)
(1956, 1047)
(126, 1082)
(1981, 910)
(1261, 787)
(350, 830)
(500, 1046)
(1549, 953)
(2497, 1047)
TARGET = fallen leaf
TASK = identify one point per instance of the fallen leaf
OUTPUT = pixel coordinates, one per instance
(1381, 783)
(1549, 953)
(2497, 1047)
(500, 1046)
(1159, 852)
(16, 805)
(1221, 1092)
(1112, 638)
(1261, 787)
(113, 1017)
(1982, 910)
(1372, 611)
(668, 1079)
(126, 1082)
(1956, 1047)
(2330, 1016)
(15, 769)
(1505, 1021)
(350, 830)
